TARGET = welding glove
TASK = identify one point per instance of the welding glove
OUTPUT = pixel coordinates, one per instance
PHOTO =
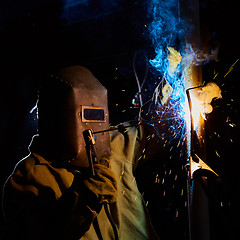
(98, 189)
(103, 186)
(84, 199)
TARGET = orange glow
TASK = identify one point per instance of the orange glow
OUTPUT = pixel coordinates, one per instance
(201, 99)
(197, 111)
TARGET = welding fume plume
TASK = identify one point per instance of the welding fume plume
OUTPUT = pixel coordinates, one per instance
(174, 58)
(206, 94)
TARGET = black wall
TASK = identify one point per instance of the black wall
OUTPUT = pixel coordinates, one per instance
(39, 36)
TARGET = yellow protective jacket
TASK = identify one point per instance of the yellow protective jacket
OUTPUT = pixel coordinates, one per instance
(38, 204)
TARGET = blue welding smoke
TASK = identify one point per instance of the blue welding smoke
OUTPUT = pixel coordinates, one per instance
(165, 30)
(169, 30)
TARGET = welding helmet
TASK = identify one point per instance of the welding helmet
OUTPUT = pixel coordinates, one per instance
(72, 101)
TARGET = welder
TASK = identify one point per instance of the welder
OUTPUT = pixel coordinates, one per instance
(59, 190)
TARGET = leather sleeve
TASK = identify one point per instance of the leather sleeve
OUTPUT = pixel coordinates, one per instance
(34, 211)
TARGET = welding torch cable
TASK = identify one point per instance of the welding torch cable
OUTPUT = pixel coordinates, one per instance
(138, 83)
(114, 227)
(109, 216)
(93, 160)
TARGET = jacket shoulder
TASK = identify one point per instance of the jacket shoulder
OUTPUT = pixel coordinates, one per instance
(124, 141)
(25, 166)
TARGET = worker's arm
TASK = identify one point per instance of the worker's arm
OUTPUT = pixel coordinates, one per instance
(33, 212)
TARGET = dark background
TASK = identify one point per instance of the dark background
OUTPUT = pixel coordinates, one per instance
(39, 36)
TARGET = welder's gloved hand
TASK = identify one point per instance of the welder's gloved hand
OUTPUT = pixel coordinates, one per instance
(83, 200)
(98, 189)
(102, 186)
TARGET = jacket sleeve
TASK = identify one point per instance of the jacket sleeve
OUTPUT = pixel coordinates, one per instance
(33, 211)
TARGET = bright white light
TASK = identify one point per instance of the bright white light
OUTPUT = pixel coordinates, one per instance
(34, 108)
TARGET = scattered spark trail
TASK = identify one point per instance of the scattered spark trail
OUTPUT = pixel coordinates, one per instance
(231, 68)
(173, 56)
(165, 112)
